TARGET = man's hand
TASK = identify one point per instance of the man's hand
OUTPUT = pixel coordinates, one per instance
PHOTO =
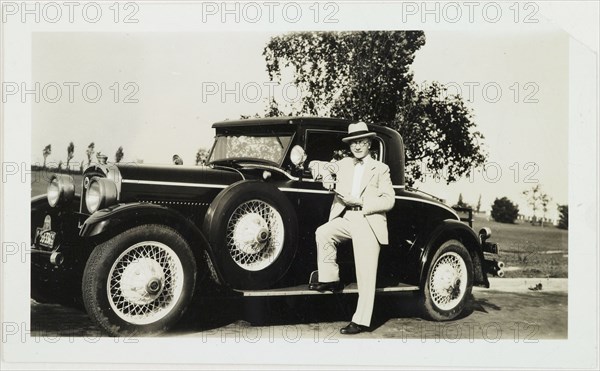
(349, 200)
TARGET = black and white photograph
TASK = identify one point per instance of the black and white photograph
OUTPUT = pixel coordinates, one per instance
(313, 184)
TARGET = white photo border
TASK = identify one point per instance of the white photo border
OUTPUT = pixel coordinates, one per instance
(578, 351)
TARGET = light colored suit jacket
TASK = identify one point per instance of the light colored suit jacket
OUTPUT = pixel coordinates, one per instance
(376, 191)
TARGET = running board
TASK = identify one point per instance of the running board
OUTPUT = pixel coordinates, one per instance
(303, 290)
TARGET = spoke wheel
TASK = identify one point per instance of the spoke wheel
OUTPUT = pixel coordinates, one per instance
(145, 282)
(448, 283)
(253, 232)
(139, 282)
(255, 235)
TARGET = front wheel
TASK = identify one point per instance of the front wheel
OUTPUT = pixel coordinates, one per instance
(139, 282)
(448, 283)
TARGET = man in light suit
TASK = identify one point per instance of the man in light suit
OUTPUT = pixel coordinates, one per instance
(363, 194)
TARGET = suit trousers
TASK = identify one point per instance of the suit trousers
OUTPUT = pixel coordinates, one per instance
(351, 226)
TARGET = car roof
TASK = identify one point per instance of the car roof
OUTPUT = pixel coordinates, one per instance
(290, 121)
(283, 120)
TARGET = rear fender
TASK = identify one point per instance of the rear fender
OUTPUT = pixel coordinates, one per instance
(452, 229)
(106, 223)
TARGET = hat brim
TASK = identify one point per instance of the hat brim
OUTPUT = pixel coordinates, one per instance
(358, 135)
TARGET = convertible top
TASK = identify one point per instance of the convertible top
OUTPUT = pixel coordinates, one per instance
(284, 120)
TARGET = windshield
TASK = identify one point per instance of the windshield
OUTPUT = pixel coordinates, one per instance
(246, 147)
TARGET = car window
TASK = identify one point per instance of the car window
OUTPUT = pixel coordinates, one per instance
(326, 145)
(266, 148)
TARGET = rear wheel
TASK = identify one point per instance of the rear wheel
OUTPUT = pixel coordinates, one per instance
(139, 282)
(448, 283)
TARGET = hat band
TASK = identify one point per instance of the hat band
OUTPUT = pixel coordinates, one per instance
(356, 133)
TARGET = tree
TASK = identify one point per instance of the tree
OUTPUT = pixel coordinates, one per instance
(439, 135)
(177, 160)
(478, 207)
(460, 202)
(504, 211)
(46, 152)
(90, 152)
(60, 165)
(359, 75)
(563, 218)
(70, 153)
(544, 201)
(119, 155)
(201, 156)
(536, 198)
(366, 76)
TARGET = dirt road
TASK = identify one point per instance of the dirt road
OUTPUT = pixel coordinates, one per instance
(509, 311)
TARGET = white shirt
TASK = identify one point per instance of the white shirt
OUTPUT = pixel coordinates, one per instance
(359, 169)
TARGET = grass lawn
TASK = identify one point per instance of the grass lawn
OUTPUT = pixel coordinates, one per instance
(529, 251)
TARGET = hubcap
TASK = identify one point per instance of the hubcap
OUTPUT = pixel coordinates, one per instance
(145, 282)
(448, 281)
(251, 233)
(153, 287)
(255, 235)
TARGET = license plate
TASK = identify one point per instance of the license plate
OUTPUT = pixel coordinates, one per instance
(47, 238)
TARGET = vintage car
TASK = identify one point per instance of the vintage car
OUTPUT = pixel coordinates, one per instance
(140, 241)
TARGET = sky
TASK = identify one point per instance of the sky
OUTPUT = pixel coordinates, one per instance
(518, 89)
(160, 93)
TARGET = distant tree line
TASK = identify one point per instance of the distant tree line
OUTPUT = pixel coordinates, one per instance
(505, 211)
(201, 157)
(47, 151)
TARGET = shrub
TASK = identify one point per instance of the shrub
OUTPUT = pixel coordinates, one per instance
(504, 211)
(563, 218)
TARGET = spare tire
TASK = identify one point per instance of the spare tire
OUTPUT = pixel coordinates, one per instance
(253, 231)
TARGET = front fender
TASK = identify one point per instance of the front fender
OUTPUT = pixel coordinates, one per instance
(118, 218)
(65, 216)
(452, 229)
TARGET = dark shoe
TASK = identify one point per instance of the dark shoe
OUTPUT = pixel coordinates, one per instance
(353, 328)
(326, 286)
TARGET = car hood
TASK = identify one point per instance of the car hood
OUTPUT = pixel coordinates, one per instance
(178, 174)
(174, 184)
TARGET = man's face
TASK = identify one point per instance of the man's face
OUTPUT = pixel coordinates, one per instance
(360, 147)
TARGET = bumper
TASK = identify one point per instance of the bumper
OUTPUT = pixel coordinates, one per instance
(54, 258)
(491, 263)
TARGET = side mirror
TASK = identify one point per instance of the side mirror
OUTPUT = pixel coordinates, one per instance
(298, 156)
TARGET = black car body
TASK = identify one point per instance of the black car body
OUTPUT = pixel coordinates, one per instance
(140, 240)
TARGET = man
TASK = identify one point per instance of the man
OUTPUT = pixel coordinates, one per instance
(363, 194)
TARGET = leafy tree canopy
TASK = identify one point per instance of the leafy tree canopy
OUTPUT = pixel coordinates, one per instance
(201, 156)
(70, 153)
(47, 151)
(90, 152)
(504, 211)
(119, 154)
(460, 202)
(563, 220)
(366, 76)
